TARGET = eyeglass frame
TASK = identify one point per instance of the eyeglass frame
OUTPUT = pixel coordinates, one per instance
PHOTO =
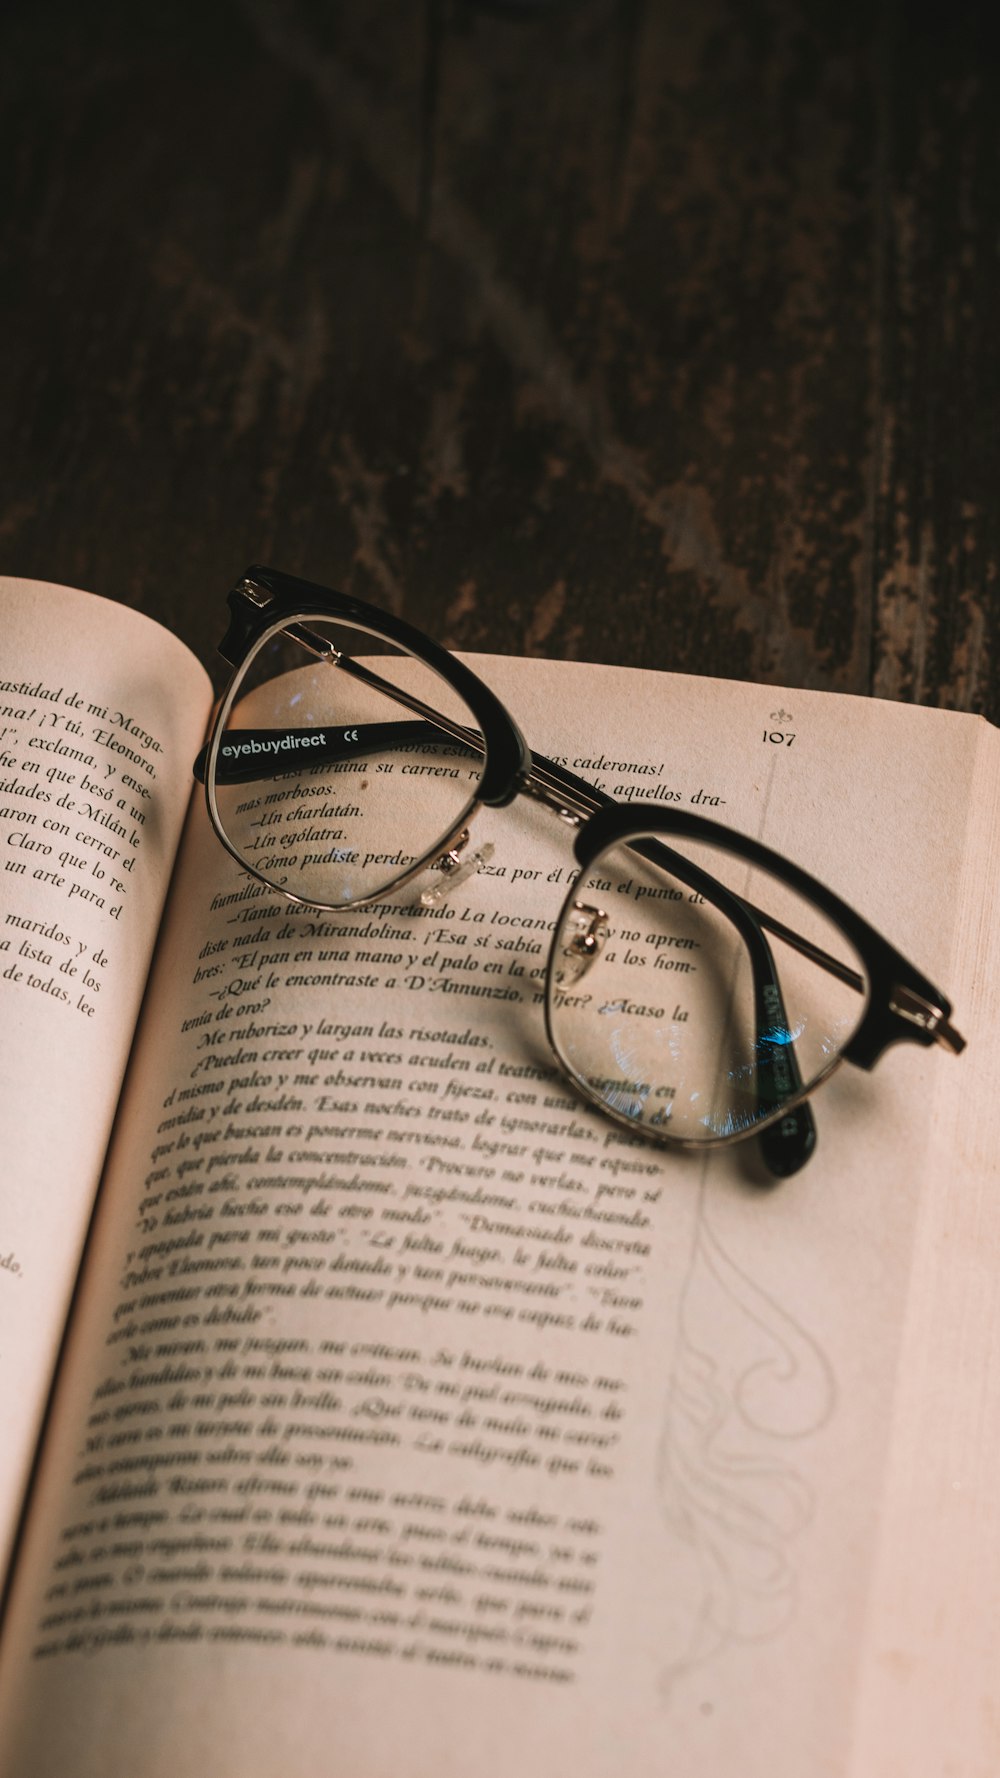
(903, 1005)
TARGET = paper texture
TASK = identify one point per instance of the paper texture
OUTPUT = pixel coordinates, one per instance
(417, 1420)
(97, 706)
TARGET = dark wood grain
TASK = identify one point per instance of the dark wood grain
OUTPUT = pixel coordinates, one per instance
(656, 333)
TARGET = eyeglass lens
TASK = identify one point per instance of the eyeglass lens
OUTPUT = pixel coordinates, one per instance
(325, 782)
(681, 1012)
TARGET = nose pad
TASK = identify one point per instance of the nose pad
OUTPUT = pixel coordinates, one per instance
(455, 870)
(585, 931)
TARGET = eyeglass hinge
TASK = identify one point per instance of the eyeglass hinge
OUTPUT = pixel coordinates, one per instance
(261, 596)
(918, 1011)
(320, 646)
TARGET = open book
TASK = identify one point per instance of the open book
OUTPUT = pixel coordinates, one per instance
(408, 1418)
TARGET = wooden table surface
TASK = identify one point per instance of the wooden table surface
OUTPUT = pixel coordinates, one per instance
(655, 331)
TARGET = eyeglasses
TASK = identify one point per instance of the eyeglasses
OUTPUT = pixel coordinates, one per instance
(698, 987)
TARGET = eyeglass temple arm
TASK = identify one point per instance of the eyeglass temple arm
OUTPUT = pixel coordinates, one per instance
(544, 778)
(250, 755)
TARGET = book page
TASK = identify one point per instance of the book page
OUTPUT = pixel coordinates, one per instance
(928, 1669)
(417, 1418)
(98, 709)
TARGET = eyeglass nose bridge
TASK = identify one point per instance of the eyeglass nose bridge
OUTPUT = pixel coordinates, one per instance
(586, 932)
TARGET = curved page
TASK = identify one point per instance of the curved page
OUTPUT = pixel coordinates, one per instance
(100, 710)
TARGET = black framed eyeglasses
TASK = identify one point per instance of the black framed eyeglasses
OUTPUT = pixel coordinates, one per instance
(348, 758)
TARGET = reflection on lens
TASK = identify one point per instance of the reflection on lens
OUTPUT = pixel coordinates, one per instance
(714, 995)
(326, 781)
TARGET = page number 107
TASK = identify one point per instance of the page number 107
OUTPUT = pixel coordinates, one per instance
(778, 737)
